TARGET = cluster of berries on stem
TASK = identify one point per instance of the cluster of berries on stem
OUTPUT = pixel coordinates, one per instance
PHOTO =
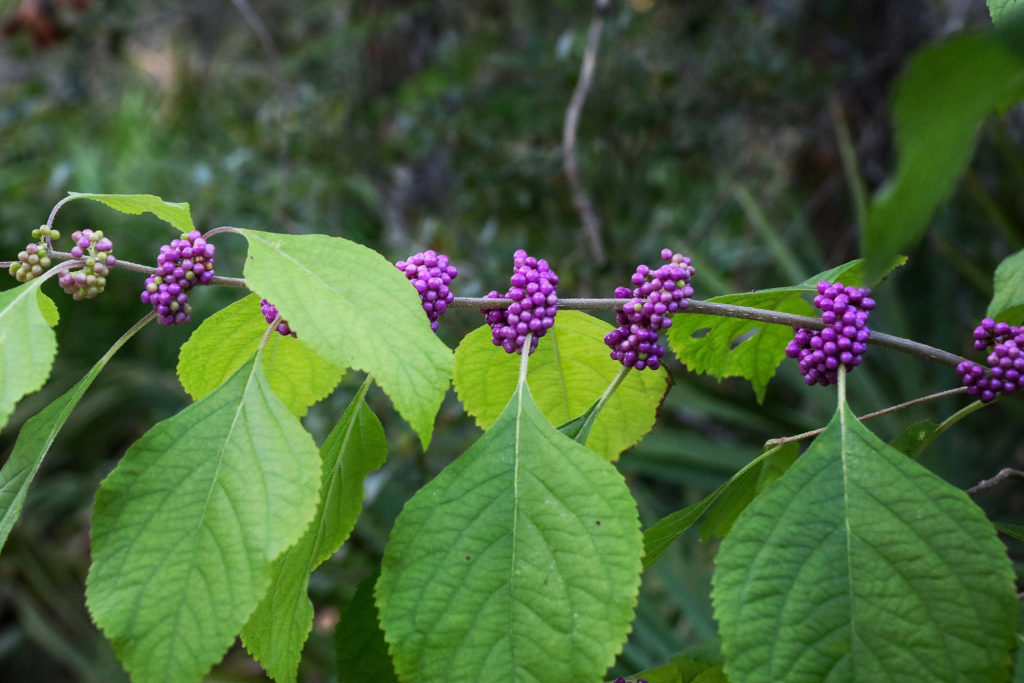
(1006, 361)
(658, 293)
(534, 304)
(843, 341)
(181, 265)
(33, 259)
(430, 273)
(90, 280)
(269, 312)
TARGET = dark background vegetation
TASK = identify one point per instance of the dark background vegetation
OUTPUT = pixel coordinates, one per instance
(438, 124)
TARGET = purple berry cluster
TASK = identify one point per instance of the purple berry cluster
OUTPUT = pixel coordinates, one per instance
(181, 265)
(1006, 361)
(269, 312)
(533, 307)
(430, 273)
(620, 679)
(658, 294)
(90, 280)
(843, 341)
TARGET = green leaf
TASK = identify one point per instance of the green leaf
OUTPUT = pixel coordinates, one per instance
(744, 489)
(27, 345)
(728, 350)
(861, 565)
(361, 653)
(1012, 530)
(519, 561)
(34, 440)
(229, 338)
(277, 630)
(177, 214)
(569, 371)
(1001, 10)
(185, 529)
(701, 663)
(945, 93)
(1007, 302)
(660, 535)
(356, 310)
(915, 438)
(48, 309)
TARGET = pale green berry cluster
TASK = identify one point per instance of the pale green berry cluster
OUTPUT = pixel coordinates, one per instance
(33, 259)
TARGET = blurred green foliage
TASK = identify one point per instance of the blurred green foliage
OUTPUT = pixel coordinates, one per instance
(416, 124)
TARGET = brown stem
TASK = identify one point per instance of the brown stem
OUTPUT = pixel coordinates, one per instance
(878, 413)
(1001, 476)
(730, 311)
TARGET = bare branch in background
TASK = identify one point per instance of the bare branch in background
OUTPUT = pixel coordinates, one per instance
(1001, 476)
(580, 199)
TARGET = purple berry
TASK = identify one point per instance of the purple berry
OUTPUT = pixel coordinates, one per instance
(658, 294)
(1005, 361)
(535, 303)
(269, 312)
(430, 273)
(181, 265)
(821, 352)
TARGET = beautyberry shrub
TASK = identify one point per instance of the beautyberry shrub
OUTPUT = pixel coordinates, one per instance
(181, 265)
(843, 341)
(430, 273)
(533, 308)
(658, 294)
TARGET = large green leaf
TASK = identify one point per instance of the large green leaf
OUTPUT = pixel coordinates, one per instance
(355, 309)
(27, 345)
(277, 630)
(945, 93)
(569, 371)
(177, 214)
(520, 561)
(229, 337)
(861, 565)
(1008, 290)
(36, 437)
(186, 527)
(361, 653)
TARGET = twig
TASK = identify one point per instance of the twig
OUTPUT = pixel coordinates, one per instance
(1001, 476)
(580, 199)
(730, 311)
(261, 31)
(878, 413)
(139, 268)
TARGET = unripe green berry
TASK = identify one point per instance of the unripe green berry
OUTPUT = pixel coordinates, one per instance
(45, 262)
